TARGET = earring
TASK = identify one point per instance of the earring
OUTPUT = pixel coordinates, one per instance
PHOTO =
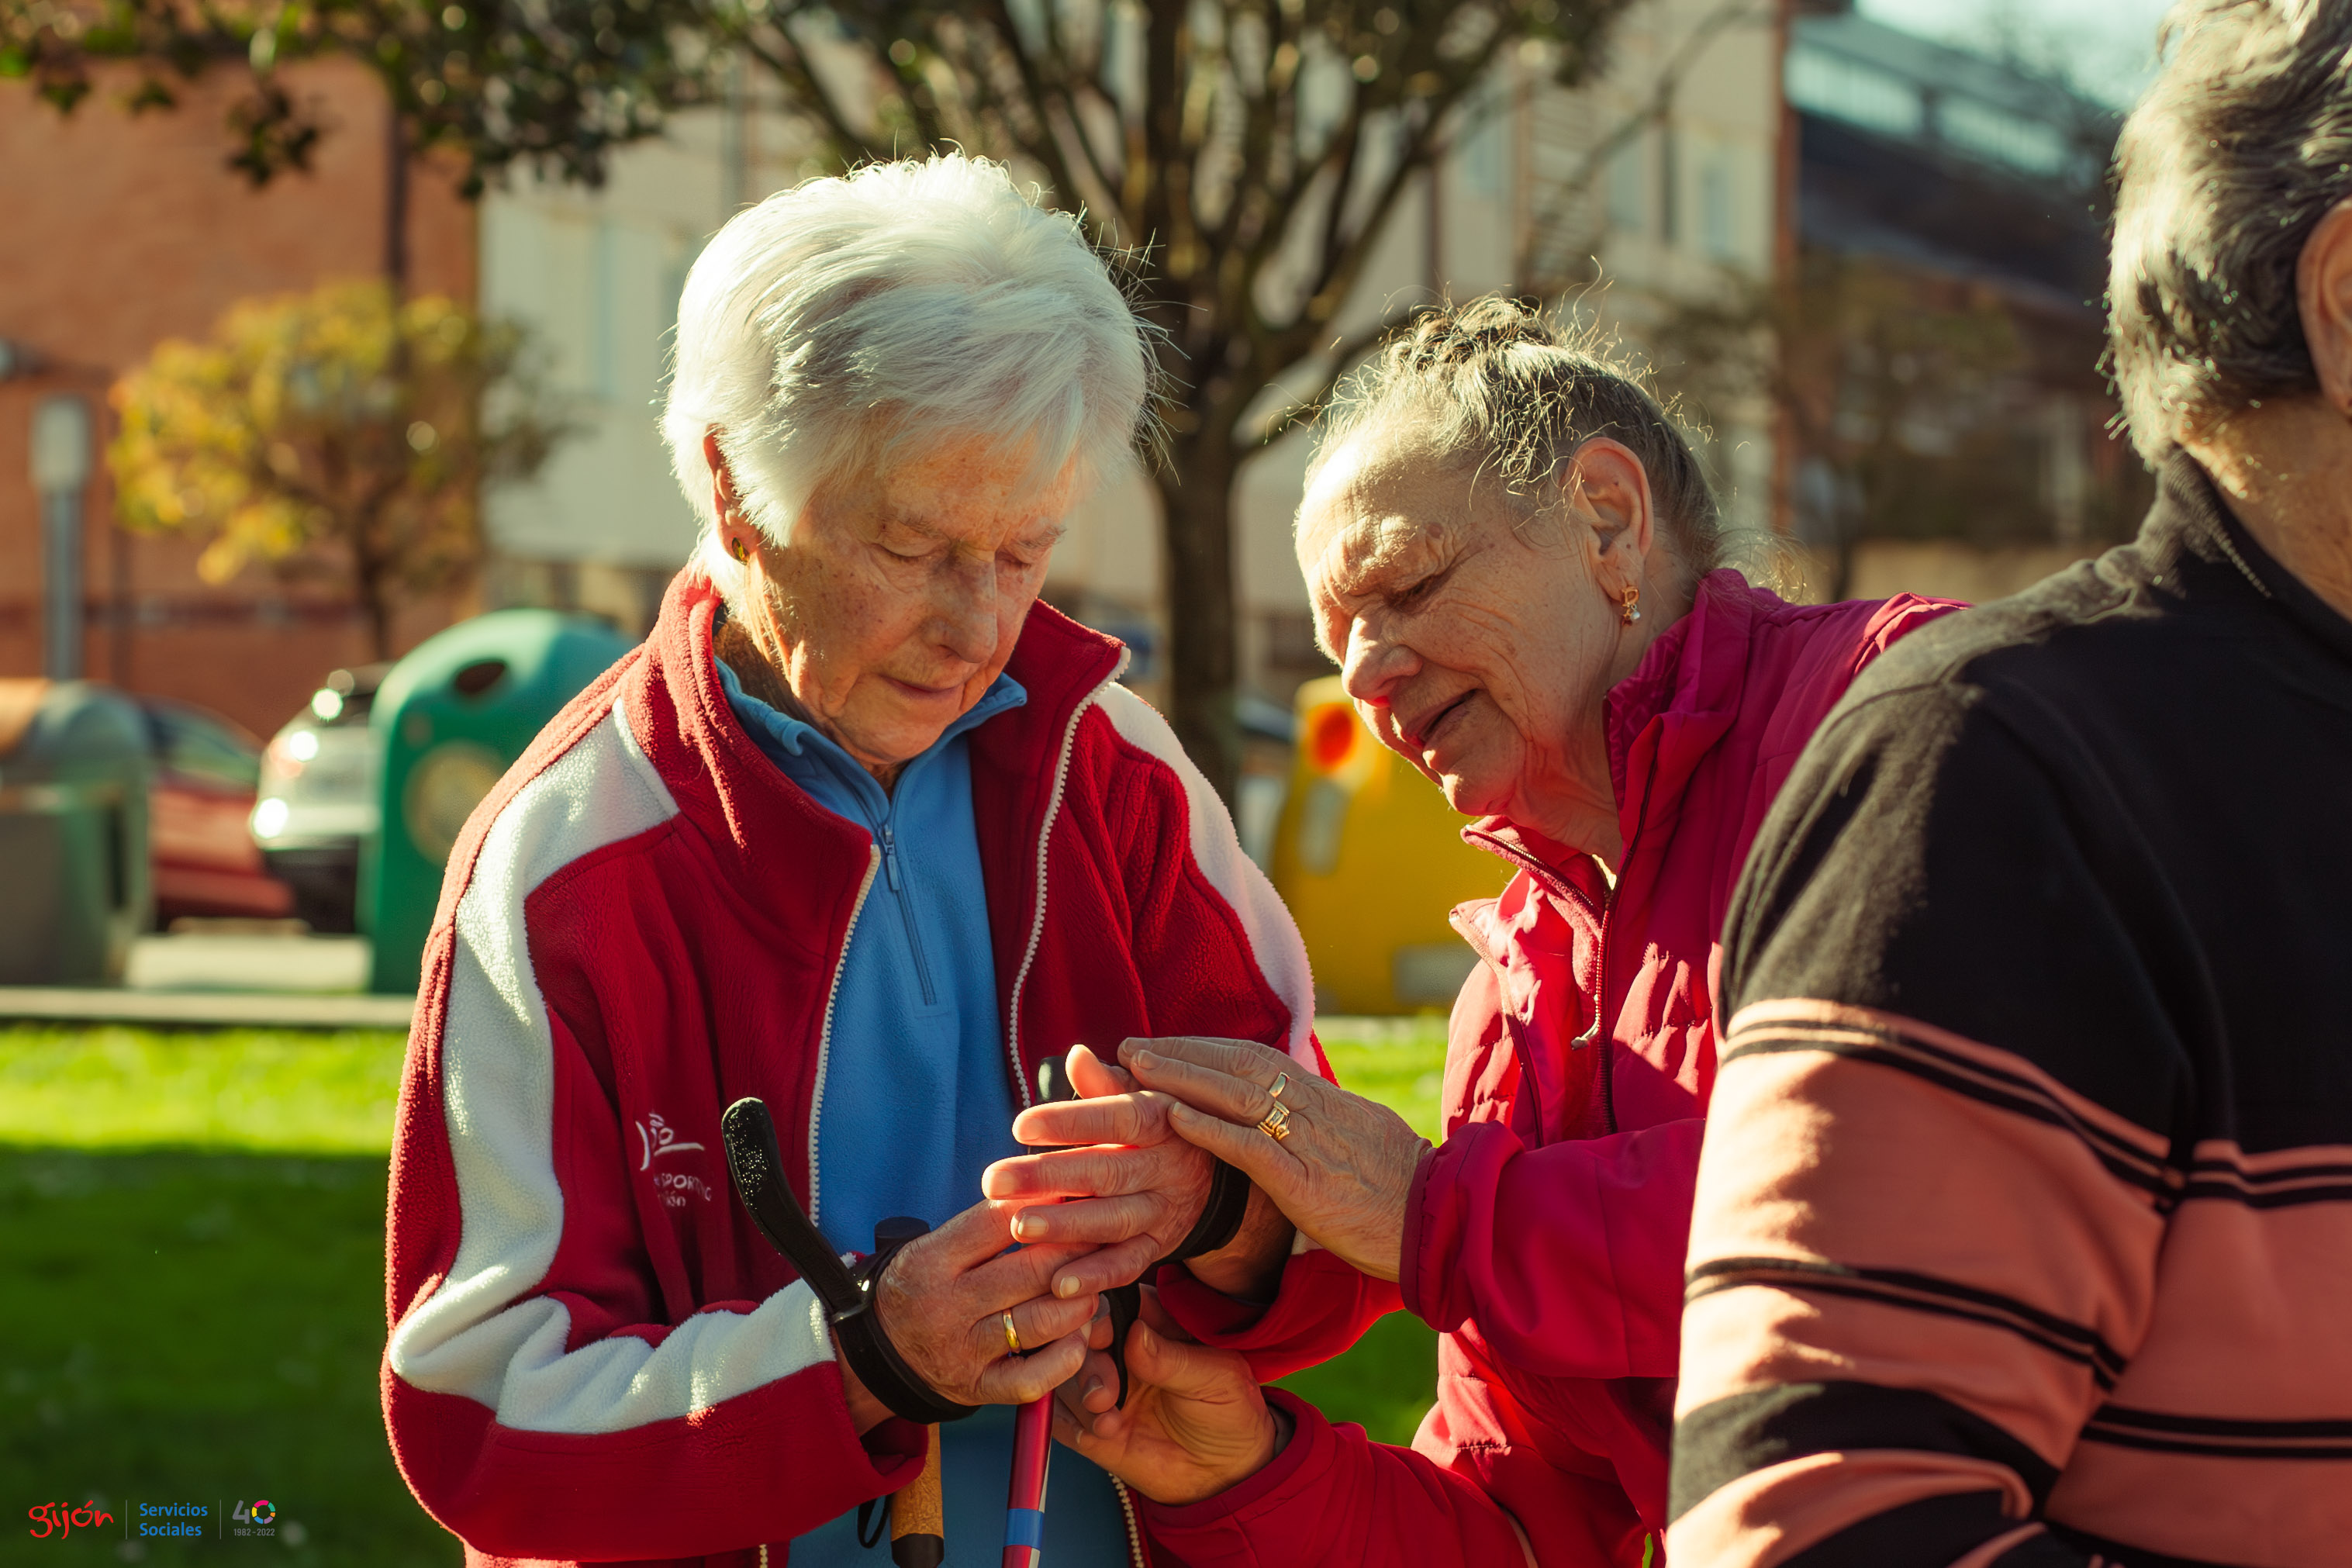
(1627, 603)
(738, 549)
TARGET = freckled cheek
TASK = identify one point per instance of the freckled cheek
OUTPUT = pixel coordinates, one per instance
(1472, 642)
(851, 629)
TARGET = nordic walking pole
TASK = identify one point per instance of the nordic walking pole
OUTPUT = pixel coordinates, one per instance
(755, 1163)
(1025, 1508)
(1033, 1424)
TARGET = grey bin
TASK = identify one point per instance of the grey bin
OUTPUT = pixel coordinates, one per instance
(74, 883)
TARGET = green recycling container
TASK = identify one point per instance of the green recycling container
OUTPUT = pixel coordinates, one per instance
(74, 774)
(452, 718)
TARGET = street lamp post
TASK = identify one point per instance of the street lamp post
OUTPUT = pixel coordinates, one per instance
(61, 463)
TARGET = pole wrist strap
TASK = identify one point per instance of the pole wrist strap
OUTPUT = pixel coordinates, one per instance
(868, 1349)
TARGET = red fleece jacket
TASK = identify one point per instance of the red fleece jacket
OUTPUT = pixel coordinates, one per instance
(593, 1354)
(1545, 1238)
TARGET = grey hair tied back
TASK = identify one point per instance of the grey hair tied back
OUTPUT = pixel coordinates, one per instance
(1492, 386)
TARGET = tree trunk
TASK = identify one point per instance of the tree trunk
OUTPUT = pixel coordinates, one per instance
(1196, 495)
(368, 576)
(395, 205)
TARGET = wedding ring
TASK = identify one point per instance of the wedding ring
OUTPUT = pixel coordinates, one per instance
(1281, 1082)
(1011, 1334)
(1277, 1125)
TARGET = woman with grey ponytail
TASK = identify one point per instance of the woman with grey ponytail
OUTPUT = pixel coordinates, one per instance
(1512, 553)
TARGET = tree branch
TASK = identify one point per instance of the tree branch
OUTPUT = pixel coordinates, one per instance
(1653, 110)
(790, 68)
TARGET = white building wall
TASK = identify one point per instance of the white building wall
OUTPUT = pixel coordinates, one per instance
(597, 273)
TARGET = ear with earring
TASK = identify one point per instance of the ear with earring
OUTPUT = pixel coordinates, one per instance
(1628, 604)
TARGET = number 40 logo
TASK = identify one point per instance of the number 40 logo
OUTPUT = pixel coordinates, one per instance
(262, 1512)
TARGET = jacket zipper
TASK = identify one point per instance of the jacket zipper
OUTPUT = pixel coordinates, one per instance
(907, 912)
(1599, 916)
(825, 1035)
(1134, 1528)
(886, 839)
(1600, 995)
(1037, 921)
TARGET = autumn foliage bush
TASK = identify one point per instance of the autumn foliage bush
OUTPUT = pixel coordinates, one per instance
(342, 432)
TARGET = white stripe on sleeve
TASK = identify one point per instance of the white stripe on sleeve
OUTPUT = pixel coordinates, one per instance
(1273, 940)
(480, 1333)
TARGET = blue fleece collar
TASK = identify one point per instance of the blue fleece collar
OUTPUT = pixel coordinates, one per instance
(774, 731)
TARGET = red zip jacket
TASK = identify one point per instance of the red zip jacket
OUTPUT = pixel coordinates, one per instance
(593, 1354)
(1544, 1237)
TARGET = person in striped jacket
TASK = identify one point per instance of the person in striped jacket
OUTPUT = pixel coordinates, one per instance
(2023, 1227)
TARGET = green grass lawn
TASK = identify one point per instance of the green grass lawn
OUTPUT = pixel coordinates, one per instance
(1387, 1380)
(192, 1296)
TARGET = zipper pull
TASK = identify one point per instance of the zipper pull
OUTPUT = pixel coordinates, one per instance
(890, 858)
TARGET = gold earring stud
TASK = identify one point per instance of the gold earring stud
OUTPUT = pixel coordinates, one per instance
(1627, 603)
(738, 549)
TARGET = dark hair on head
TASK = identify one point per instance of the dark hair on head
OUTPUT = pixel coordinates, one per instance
(1494, 385)
(2241, 145)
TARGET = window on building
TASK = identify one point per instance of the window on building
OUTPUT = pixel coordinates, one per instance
(1628, 186)
(603, 331)
(1482, 149)
(1846, 89)
(1718, 230)
(1670, 184)
(1995, 133)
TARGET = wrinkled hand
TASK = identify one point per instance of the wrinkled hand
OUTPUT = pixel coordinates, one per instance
(939, 1302)
(1129, 1188)
(1195, 1422)
(1342, 1175)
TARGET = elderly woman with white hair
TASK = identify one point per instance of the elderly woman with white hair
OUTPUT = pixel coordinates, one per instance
(865, 833)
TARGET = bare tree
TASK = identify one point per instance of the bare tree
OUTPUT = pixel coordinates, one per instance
(1253, 150)
(1249, 153)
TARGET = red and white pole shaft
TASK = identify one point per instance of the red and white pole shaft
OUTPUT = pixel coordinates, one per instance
(1025, 1509)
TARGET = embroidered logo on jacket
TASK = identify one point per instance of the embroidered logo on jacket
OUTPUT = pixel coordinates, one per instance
(662, 1139)
(656, 1138)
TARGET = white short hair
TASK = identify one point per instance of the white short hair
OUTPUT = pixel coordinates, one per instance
(825, 326)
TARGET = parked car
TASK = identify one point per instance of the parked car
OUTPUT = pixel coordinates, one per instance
(208, 768)
(318, 797)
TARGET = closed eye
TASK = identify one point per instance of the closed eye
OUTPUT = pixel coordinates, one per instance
(1415, 592)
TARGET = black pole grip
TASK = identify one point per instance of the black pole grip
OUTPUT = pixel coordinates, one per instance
(755, 1164)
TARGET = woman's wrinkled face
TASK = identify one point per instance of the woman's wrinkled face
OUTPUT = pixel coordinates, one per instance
(1475, 639)
(900, 595)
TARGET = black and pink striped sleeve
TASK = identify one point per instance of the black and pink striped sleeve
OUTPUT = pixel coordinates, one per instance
(1938, 1166)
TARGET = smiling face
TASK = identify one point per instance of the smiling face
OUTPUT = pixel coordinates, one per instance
(1476, 640)
(900, 595)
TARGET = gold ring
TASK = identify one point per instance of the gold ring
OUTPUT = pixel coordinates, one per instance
(1011, 1334)
(1277, 1125)
(1281, 1082)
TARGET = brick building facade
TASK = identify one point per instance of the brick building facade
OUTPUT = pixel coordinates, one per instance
(124, 230)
